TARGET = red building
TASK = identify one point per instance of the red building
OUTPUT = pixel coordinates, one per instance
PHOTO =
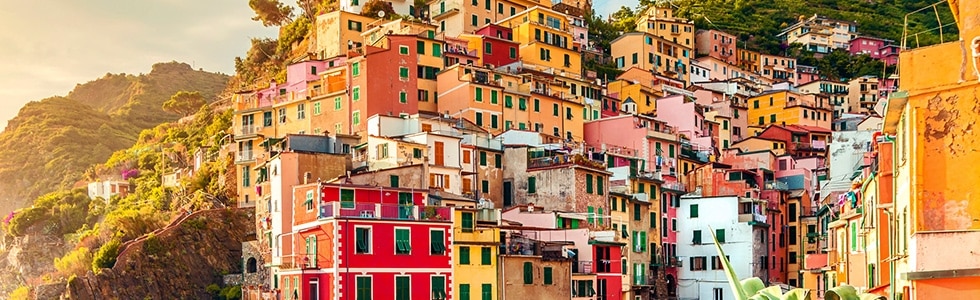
(365, 242)
(497, 45)
(880, 49)
(801, 140)
(397, 93)
(609, 271)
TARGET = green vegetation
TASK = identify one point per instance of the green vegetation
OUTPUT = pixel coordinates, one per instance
(184, 103)
(152, 245)
(57, 213)
(106, 256)
(53, 143)
(76, 262)
(231, 292)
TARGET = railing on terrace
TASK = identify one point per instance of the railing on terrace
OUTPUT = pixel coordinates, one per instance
(752, 218)
(664, 132)
(244, 156)
(777, 185)
(378, 211)
(673, 186)
(583, 267)
(298, 261)
(559, 160)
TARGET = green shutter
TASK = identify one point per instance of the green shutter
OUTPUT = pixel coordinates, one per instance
(464, 255)
(483, 158)
(694, 210)
(600, 188)
(464, 291)
(420, 47)
(508, 101)
(498, 160)
(467, 221)
(479, 94)
(720, 234)
(394, 180)
(403, 287)
(636, 212)
(588, 183)
(439, 287)
(438, 245)
(697, 237)
(362, 236)
(528, 273)
(493, 97)
(531, 185)
(403, 241)
(600, 216)
(364, 288)
(347, 198)
(486, 255)
(547, 276)
(437, 50)
(653, 220)
(486, 291)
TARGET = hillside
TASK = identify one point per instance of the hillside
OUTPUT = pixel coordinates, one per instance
(757, 22)
(53, 142)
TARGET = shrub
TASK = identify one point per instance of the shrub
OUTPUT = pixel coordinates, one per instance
(106, 256)
(22, 292)
(75, 262)
(152, 245)
(233, 292)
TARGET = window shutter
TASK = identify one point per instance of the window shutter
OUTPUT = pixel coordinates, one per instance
(486, 256)
(547, 275)
(528, 273)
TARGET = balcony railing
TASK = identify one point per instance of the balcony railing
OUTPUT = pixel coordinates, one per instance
(665, 132)
(754, 219)
(245, 156)
(378, 211)
(583, 267)
(559, 160)
(673, 186)
(777, 185)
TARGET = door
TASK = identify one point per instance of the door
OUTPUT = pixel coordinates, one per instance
(508, 194)
(439, 153)
(405, 204)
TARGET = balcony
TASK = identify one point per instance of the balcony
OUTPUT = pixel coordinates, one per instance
(246, 132)
(244, 157)
(665, 132)
(562, 160)
(675, 262)
(674, 186)
(583, 267)
(377, 211)
(449, 9)
(777, 185)
(816, 145)
(752, 219)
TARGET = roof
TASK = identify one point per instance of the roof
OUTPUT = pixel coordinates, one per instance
(811, 128)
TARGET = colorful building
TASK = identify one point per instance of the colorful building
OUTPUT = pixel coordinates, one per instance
(651, 52)
(660, 21)
(353, 241)
(819, 34)
(881, 49)
(791, 108)
(476, 241)
(546, 39)
(717, 44)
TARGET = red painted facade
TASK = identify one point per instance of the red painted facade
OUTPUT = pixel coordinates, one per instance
(327, 263)
(382, 96)
(499, 40)
(609, 270)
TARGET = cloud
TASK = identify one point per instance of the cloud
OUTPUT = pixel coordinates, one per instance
(48, 48)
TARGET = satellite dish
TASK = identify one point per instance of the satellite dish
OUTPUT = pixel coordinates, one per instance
(381, 14)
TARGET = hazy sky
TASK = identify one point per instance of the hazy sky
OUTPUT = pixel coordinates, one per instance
(46, 47)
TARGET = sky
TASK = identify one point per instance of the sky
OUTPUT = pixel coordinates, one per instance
(50, 46)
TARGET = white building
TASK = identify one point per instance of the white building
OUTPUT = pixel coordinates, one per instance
(740, 225)
(107, 189)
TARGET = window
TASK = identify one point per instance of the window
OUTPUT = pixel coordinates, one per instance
(363, 287)
(720, 235)
(588, 183)
(600, 189)
(282, 115)
(537, 105)
(493, 97)
(513, 52)
(403, 50)
(337, 104)
(403, 73)
(554, 109)
(486, 186)
(439, 287)
(354, 25)
(474, 20)
(653, 220)
(762, 120)
(403, 241)
(464, 292)
(498, 161)
(464, 255)
(362, 236)
(494, 122)
(697, 237)
(531, 185)
(437, 50)
(479, 94)
(486, 291)
(772, 118)
(486, 256)
(479, 118)
(316, 108)
(694, 210)
(356, 69)
(719, 294)
(636, 212)
(266, 119)
(547, 276)
(698, 263)
(467, 221)
(528, 273)
(437, 242)
(357, 93)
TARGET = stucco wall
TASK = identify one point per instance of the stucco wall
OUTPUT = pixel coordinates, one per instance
(511, 278)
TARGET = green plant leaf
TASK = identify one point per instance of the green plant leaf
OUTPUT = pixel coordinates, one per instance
(797, 294)
(752, 286)
(772, 292)
(729, 272)
(843, 292)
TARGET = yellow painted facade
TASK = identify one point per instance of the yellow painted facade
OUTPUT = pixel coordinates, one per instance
(546, 39)
(648, 51)
(480, 237)
(789, 108)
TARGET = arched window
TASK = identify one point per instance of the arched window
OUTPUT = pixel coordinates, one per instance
(250, 265)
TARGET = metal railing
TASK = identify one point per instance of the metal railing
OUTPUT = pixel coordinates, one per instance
(378, 211)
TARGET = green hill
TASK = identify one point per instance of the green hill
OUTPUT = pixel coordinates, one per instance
(53, 142)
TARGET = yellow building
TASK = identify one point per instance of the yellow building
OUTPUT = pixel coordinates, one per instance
(476, 240)
(783, 107)
(338, 32)
(455, 17)
(935, 208)
(659, 20)
(546, 39)
(650, 52)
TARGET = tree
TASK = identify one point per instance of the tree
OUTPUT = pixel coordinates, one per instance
(372, 7)
(271, 12)
(184, 103)
(623, 19)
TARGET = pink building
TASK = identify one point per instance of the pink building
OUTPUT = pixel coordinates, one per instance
(880, 49)
(717, 44)
(726, 105)
(806, 74)
(647, 138)
(687, 116)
